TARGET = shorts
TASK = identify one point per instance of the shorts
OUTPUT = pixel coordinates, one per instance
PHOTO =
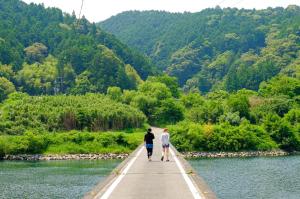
(165, 145)
(149, 146)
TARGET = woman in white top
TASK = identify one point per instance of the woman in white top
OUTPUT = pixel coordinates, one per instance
(165, 141)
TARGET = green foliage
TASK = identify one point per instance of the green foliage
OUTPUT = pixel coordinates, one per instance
(54, 113)
(38, 78)
(192, 100)
(70, 143)
(293, 117)
(6, 87)
(155, 100)
(114, 93)
(216, 48)
(231, 52)
(210, 111)
(7, 72)
(240, 104)
(133, 75)
(282, 132)
(281, 85)
(36, 52)
(244, 120)
(170, 82)
(231, 118)
(169, 112)
(52, 52)
(155, 89)
(190, 136)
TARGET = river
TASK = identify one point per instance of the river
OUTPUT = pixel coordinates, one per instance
(52, 179)
(252, 178)
(230, 178)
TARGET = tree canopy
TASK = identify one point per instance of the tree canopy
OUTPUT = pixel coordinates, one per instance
(216, 48)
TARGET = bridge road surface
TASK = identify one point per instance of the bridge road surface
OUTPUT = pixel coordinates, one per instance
(141, 179)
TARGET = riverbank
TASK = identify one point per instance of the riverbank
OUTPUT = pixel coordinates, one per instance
(38, 157)
(241, 154)
(121, 156)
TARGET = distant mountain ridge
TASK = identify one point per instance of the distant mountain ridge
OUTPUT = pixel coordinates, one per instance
(46, 51)
(215, 48)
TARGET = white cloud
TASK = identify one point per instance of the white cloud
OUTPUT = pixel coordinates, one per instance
(96, 10)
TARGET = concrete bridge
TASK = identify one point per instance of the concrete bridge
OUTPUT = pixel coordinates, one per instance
(137, 178)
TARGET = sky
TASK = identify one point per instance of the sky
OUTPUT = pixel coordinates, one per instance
(99, 10)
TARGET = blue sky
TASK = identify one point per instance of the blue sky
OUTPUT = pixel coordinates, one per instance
(98, 10)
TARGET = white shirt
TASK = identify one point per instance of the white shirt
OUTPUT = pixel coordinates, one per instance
(165, 138)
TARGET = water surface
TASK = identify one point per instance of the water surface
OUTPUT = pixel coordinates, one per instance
(52, 179)
(252, 178)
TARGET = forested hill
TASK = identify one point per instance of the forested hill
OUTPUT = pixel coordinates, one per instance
(46, 51)
(216, 48)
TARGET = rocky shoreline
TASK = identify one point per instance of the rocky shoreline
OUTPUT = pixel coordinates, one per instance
(26, 157)
(113, 156)
(236, 154)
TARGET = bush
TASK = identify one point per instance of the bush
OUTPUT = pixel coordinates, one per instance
(282, 132)
(210, 111)
(93, 112)
(6, 87)
(70, 143)
(169, 112)
(239, 103)
(224, 137)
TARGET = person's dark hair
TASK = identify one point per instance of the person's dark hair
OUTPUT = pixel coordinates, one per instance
(149, 130)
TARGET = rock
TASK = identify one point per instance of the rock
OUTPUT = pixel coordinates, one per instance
(199, 154)
(65, 157)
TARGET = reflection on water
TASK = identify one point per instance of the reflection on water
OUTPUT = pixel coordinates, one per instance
(255, 178)
(52, 179)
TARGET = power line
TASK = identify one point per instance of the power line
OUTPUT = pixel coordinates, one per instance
(237, 3)
(79, 17)
(221, 2)
(82, 1)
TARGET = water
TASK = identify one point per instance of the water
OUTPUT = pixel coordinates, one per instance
(255, 178)
(52, 179)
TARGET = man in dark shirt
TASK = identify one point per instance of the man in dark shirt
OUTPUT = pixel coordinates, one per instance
(148, 139)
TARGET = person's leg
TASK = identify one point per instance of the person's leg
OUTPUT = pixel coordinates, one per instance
(148, 152)
(162, 153)
(167, 153)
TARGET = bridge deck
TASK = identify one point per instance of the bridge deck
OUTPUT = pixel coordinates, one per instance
(141, 179)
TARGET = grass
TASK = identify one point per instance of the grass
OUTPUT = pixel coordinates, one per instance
(73, 142)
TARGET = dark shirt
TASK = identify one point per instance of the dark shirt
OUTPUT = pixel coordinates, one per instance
(149, 137)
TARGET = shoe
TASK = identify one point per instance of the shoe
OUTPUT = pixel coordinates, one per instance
(168, 160)
(162, 158)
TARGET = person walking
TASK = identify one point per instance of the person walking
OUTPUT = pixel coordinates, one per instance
(165, 141)
(148, 139)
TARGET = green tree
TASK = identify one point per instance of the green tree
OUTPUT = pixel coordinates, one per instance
(169, 112)
(155, 89)
(114, 93)
(39, 78)
(281, 85)
(170, 82)
(240, 104)
(36, 53)
(6, 87)
(133, 75)
(83, 85)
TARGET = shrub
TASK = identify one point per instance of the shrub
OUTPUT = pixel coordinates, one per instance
(224, 137)
(70, 143)
(93, 112)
